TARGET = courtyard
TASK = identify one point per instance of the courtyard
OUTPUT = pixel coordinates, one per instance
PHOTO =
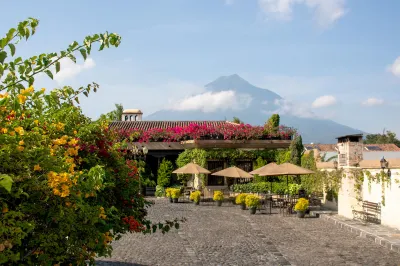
(229, 236)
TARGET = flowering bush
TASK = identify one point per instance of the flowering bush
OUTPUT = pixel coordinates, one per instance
(301, 205)
(66, 192)
(175, 193)
(218, 195)
(195, 196)
(241, 199)
(226, 131)
(252, 201)
(168, 192)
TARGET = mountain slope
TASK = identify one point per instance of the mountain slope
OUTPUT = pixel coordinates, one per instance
(263, 102)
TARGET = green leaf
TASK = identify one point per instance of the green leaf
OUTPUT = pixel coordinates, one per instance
(12, 48)
(10, 34)
(1, 70)
(83, 53)
(76, 100)
(6, 182)
(58, 66)
(48, 72)
(86, 94)
(3, 55)
(72, 57)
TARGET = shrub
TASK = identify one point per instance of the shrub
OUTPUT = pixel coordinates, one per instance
(301, 205)
(160, 191)
(252, 201)
(195, 196)
(175, 193)
(66, 189)
(241, 199)
(218, 195)
(164, 173)
(168, 192)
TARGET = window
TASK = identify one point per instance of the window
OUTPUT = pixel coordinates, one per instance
(126, 118)
(245, 166)
(214, 180)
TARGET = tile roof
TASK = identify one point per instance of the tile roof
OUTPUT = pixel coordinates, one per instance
(367, 147)
(146, 125)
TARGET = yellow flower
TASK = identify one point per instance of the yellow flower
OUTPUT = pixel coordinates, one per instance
(68, 204)
(19, 130)
(5, 95)
(75, 132)
(30, 89)
(21, 98)
(43, 90)
(36, 122)
(5, 209)
(20, 148)
(21, 143)
(4, 130)
(37, 168)
(12, 133)
(72, 142)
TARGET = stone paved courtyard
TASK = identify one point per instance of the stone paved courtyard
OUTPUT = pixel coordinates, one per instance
(229, 236)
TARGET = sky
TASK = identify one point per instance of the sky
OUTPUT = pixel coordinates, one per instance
(336, 59)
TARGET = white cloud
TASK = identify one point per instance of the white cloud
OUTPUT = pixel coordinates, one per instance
(373, 102)
(324, 101)
(286, 107)
(395, 67)
(326, 12)
(69, 69)
(213, 101)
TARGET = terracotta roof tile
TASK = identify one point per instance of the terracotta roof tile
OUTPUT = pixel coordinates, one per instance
(331, 147)
(146, 125)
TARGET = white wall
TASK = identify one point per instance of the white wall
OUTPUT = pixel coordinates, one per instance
(390, 213)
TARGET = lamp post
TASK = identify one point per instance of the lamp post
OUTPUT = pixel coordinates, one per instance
(385, 164)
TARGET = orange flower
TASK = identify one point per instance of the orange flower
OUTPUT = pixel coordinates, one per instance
(4, 130)
(20, 148)
(21, 143)
(37, 168)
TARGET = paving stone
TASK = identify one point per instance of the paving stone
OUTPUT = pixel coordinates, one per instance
(229, 236)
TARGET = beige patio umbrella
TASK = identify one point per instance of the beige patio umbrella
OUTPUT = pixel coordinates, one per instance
(271, 169)
(234, 172)
(292, 169)
(191, 168)
(194, 169)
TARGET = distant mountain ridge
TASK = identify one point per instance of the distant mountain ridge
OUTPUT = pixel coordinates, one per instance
(263, 102)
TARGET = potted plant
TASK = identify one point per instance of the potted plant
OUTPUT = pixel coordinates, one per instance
(301, 207)
(252, 202)
(168, 194)
(195, 196)
(218, 197)
(175, 194)
(241, 200)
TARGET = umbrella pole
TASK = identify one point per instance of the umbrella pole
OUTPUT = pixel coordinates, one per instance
(287, 180)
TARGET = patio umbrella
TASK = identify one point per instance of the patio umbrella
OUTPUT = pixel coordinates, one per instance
(292, 169)
(191, 168)
(234, 172)
(194, 169)
(271, 169)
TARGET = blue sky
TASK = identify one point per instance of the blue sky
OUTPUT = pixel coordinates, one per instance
(336, 58)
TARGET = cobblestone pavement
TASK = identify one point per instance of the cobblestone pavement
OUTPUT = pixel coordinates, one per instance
(229, 236)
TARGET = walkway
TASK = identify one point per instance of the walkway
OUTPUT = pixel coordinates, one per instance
(229, 236)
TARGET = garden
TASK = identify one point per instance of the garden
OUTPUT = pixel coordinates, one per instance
(66, 188)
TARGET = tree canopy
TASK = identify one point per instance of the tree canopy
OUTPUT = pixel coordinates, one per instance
(385, 138)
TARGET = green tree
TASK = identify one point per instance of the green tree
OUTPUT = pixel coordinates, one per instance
(387, 137)
(114, 115)
(272, 125)
(237, 120)
(164, 173)
(296, 150)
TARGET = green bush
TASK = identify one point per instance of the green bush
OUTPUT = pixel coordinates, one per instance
(164, 173)
(160, 191)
